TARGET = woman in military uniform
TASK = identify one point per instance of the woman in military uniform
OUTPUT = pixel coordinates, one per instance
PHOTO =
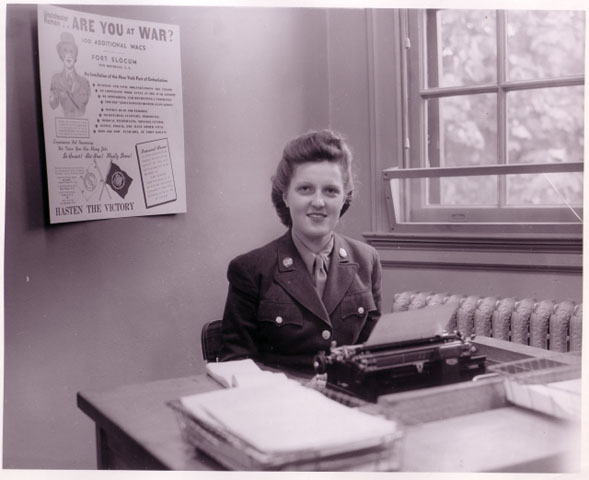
(68, 88)
(293, 297)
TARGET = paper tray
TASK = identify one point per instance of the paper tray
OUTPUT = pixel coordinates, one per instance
(544, 385)
(235, 454)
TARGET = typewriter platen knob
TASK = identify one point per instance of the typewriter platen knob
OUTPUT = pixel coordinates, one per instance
(319, 363)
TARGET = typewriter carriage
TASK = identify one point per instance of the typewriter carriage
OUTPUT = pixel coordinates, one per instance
(368, 371)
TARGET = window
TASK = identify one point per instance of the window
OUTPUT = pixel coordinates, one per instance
(493, 122)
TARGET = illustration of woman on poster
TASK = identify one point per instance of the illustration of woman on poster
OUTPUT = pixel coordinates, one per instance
(68, 88)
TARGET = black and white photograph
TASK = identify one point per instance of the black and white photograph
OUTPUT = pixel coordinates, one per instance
(294, 238)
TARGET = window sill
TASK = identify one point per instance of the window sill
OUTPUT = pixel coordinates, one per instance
(517, 252)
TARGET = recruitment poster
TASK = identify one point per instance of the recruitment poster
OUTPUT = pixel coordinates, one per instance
(111, 92)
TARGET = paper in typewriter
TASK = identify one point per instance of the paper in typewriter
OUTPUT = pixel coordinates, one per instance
(287, 417)
(411, 325)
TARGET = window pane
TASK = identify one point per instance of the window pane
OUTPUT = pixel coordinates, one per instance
(533, 199)
(462, 132)
(467, 131)
(544, 44)
(468, 191)
(546, 189)
(545, 125)
(466, 50)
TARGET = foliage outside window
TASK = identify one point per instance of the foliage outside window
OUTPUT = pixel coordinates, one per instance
(493, 121)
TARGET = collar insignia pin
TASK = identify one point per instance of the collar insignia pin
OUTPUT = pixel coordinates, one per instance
(287, 262)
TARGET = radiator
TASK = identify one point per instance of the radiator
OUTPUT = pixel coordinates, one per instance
(547, 324)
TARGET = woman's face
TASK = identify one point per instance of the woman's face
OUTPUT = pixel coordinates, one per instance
(68, 56)
(315, 198)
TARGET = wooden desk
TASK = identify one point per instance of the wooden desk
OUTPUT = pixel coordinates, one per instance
(136, 430)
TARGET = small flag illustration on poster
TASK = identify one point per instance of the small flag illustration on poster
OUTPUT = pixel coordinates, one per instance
(90, 182)
(118, 180)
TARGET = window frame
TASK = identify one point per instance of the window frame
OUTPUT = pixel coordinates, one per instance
(415, 93)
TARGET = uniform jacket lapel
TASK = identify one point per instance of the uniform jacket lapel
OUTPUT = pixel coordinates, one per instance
(342, 270)
(293, 276)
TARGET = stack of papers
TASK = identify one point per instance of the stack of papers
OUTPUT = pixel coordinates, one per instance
(544, 384)
(560, 399)
(280, 424)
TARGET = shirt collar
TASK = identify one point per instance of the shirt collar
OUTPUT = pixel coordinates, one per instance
(308, 255)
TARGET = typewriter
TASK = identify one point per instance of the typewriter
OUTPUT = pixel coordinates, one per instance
(389, 362)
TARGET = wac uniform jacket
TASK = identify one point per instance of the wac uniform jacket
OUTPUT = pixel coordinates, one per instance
(72, 99)
(274, 315)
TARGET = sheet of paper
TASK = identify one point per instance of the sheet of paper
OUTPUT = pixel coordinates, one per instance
(289, 417)
(559, 399)
(415, 324)
(255, 379)
(573, 386)
(224, 372)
